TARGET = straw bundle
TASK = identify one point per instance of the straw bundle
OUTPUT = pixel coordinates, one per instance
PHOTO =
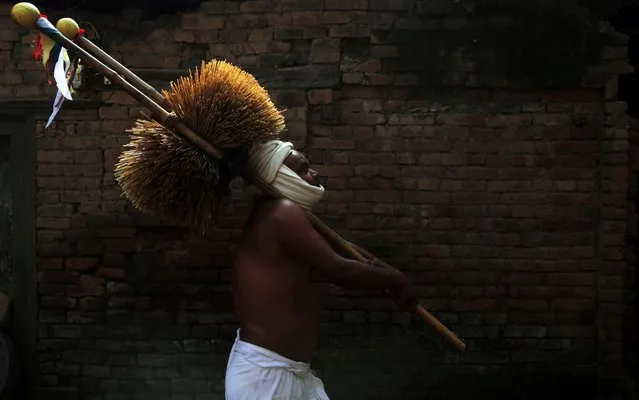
(165, 175)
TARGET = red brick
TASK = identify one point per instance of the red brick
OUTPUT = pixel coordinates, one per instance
(384, 51)
(325, 50)
(353, 77)
(363, 118)
(84, 317)
(346, 4)
(255, 6)
(302, 5)
(116, 232)
(333, 144)
(56, 302)
(26, 92)
(576, 147)
(116, 126)
(92, 304)
(422, 145)
(11, 78)
(202, 21)
(378, 79)
(360, 92)
(50, 263)
(85, 291)
(121, 245)
(349, 31)
(51, 288)
(111, 273)
(49, 170)
(335, 17)
(533, 107)
(123, 288)
(113, 112)
(460, 119)
(411, 119)
(128, 302)
(55, 211)
(121, 98)
(359, 105)
(296, 130)
(183, 36)
(49, 144)
(58, 276)
(393, 5)
(552, 120)
(497, 121)
(279, 19)
(244, 21)
(55, 156)
(260, 35)
(362, 132)
(306, 17)
(374, 65)
(234, 36)
(320, 96)
(558, 107)
(80, 264)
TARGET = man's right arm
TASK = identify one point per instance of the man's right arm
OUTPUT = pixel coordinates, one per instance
(301, 241)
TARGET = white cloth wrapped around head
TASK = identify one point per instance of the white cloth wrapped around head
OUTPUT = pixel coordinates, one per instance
(267, 161)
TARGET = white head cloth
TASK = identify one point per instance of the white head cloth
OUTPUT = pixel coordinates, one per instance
(267, 161)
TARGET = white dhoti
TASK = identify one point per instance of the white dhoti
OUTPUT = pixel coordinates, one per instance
(255, 373)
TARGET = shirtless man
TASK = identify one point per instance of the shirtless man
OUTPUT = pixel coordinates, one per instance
(274, 299)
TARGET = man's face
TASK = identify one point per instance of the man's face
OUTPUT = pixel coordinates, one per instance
(299, 164)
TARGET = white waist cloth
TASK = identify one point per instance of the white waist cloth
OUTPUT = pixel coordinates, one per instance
(255, 373)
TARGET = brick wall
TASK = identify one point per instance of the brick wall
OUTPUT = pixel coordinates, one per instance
(507, 207)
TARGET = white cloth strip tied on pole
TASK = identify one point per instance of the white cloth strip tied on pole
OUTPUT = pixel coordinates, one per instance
(61, 75)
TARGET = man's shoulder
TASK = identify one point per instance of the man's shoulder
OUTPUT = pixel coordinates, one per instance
(283, 213)
(286, 209)
(281, 217)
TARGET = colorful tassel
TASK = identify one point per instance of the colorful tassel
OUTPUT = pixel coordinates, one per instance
(38, 45)
(59, 67)
(45, 49)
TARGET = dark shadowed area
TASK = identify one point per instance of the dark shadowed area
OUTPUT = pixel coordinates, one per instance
(6, 220)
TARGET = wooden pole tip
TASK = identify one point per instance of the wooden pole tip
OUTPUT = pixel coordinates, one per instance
(25, 15)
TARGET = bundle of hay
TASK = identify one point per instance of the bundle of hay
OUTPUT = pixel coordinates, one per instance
(167, 176)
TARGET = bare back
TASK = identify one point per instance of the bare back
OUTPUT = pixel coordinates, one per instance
(274, 298)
